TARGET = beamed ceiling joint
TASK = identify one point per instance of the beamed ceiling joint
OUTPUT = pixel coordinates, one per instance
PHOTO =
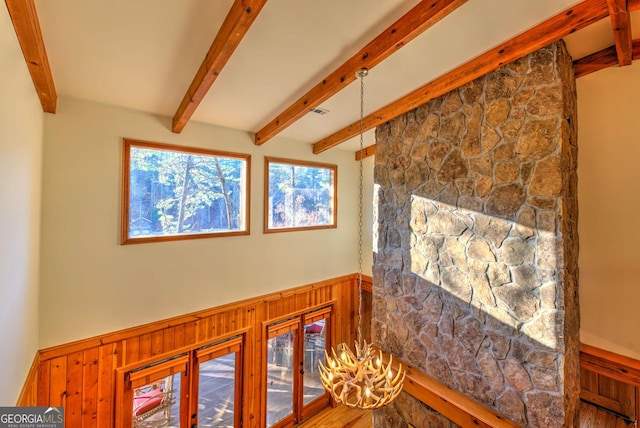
(423, 16)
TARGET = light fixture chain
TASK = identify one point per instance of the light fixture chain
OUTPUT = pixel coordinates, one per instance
(361, 74)
(361, 380)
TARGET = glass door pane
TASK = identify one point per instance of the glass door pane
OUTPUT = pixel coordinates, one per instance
(280, 374)
(314, 346)
(216, 392)
(157, 403)
(218, 368)
(154, 395)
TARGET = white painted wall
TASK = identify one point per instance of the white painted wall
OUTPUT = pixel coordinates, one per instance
(91, 284)
(609, 203)
(21, 127)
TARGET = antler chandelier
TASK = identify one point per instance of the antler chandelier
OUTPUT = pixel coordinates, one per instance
(360, 380)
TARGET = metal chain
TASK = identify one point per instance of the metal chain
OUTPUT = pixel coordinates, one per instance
(361, 74)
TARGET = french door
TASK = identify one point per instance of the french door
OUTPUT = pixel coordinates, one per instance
(218, 370)
(199, 388)
(294, 348)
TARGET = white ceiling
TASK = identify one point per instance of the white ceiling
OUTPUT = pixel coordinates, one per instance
(143, 54)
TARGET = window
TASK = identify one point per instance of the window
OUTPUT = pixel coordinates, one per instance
(173, 192)
(299, 195)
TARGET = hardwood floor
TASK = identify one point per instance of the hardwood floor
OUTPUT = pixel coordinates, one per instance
(344, 417)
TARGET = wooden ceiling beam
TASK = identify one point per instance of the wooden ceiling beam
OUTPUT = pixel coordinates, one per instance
(25, 21)
(621, 23)
(423, 16)
(238, 21)
(602, 59)
(553, 29)
(366, 152)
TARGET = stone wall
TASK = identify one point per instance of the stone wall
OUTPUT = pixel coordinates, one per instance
(475, 252)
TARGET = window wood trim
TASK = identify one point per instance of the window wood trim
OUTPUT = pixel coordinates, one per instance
(334, 199)
(125, 239)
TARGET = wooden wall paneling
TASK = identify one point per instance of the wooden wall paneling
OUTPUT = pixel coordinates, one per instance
(219, 324)
(588, 381)
(226, 321)
(89, 391)
(107, 363)
(119, 353)
(626, 396)
(223, 324)
(132, 352)
(337, 335)
(291, 304)
(73, 406)
(354, 314)
(279, 304)
(209, 326)
(58, 382)
(621, 395)
(82, 376)
(179, 336)
(270, 311)
(157, 345)
(282, 307)
(190, 333)
(144, 350)
(610, 380)
(325, 293)
(168, 339)
(303, 300)
(241, 320)
(606, 387)
(215, 325)
(610, 364)
(200, 331)
(44, 377)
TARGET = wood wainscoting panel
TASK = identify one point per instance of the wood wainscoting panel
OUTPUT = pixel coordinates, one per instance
(610, 381)
(81, 376)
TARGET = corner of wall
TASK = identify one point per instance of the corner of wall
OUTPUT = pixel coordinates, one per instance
(21, 144)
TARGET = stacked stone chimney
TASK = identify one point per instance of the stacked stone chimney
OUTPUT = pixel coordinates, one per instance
(476, 247)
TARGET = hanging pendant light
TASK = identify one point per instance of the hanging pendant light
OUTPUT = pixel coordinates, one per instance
(360, 380)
